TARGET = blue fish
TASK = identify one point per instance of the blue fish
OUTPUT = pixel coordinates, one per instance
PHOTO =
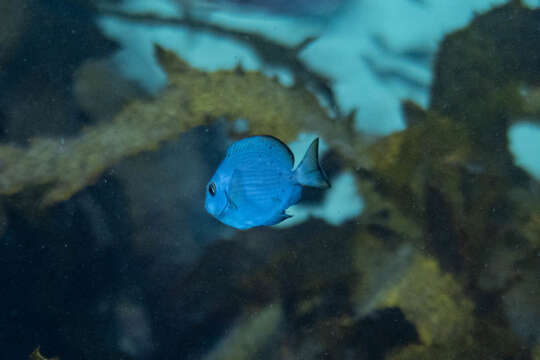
(256, 183)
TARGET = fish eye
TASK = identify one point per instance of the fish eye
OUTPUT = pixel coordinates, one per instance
(212, 189)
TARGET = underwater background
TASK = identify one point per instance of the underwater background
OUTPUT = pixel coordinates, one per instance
(114, 114)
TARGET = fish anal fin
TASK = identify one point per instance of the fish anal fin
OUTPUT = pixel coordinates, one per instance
(278, 218)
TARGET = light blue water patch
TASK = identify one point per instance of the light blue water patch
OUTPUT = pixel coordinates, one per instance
(341, 203)
(201, 49)
(524, 143)
(372, 52)
(158, 7)
(241, 126)
(531, 3)
(367, 54)
(299, 146)
(286, 30)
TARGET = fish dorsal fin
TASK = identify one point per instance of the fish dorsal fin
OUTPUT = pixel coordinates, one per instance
(309, 172)
(262, 145)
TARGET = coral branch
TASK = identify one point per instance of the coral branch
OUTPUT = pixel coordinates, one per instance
(193, 98)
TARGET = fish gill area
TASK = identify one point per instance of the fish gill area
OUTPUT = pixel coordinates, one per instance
(105, 253)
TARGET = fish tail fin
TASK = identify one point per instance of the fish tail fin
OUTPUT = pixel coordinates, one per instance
(309, 172)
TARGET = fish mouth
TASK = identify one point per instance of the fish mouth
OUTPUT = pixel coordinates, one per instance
(213, 209)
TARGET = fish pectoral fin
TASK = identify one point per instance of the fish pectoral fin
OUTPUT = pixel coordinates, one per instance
(231, 204)
(236, 194)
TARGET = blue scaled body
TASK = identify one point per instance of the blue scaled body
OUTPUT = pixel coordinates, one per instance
(256, 183)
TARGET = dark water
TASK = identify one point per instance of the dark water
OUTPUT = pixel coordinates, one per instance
(426, 247)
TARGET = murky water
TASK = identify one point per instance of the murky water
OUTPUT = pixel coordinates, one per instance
(114, 116)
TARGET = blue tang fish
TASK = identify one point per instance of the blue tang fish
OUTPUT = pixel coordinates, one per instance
(256, 183)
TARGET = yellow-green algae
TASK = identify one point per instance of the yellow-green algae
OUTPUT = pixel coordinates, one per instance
(251, 336)
(536, 352)
(526, 217)
(531, 100)
(36, 355)
(435, 303)
(444, 317)
(380, 265)
(192, 98)
(432, 150)
(480, 70)
(451, 170)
